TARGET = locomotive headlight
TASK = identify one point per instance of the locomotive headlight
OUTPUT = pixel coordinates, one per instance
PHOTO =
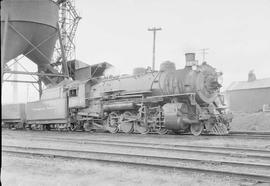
(220, 80)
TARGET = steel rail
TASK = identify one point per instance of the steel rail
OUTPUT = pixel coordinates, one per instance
(232, 134)
(207, 153)
(262, 133)
(115, 137)
(217, 150)
(257, 172)
(133, 141)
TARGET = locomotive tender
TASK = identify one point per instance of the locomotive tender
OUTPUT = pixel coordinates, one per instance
(184, 100)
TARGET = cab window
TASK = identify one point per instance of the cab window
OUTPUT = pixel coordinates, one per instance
(73, 93)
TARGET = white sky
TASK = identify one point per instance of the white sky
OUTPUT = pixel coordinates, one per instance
(236, 31)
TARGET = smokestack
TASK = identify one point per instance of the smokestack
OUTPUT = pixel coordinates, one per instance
(190, 60)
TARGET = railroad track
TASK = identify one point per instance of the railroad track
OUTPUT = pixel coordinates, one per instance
(231, 150)
(165, 152)
(179, 148)
(252, 171)
(128, 139)
(231, 135)
(250, 133)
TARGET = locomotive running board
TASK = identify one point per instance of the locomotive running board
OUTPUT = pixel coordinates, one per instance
(191, 97)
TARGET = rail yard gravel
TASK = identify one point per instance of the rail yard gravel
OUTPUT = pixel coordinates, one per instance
(85, 172)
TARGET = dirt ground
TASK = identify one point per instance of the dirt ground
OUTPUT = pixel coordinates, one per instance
(27, 170)
(259, 121)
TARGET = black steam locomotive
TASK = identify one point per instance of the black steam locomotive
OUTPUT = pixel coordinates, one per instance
(184, 100)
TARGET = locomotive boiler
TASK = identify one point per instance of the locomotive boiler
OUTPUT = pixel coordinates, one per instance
(183, 100)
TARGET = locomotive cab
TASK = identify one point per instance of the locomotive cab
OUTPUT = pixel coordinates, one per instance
(77, 94)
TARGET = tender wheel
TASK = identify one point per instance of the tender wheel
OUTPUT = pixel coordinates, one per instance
(71, 127)
(58, 127)
(47, 127)
(196, 129)
(28, 127)
(112, 123)
(41, 127)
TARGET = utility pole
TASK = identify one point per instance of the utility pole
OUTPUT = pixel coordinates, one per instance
(154, 29)
(204, 52)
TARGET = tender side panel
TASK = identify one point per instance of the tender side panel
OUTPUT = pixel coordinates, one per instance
(53, 109)
(13, 112)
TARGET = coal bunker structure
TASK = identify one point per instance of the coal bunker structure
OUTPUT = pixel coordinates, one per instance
(29, 28)
(32, 26)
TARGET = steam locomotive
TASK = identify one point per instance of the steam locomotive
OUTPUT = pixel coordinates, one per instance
(183, 100)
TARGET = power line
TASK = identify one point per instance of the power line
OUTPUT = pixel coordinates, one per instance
(204, 52)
